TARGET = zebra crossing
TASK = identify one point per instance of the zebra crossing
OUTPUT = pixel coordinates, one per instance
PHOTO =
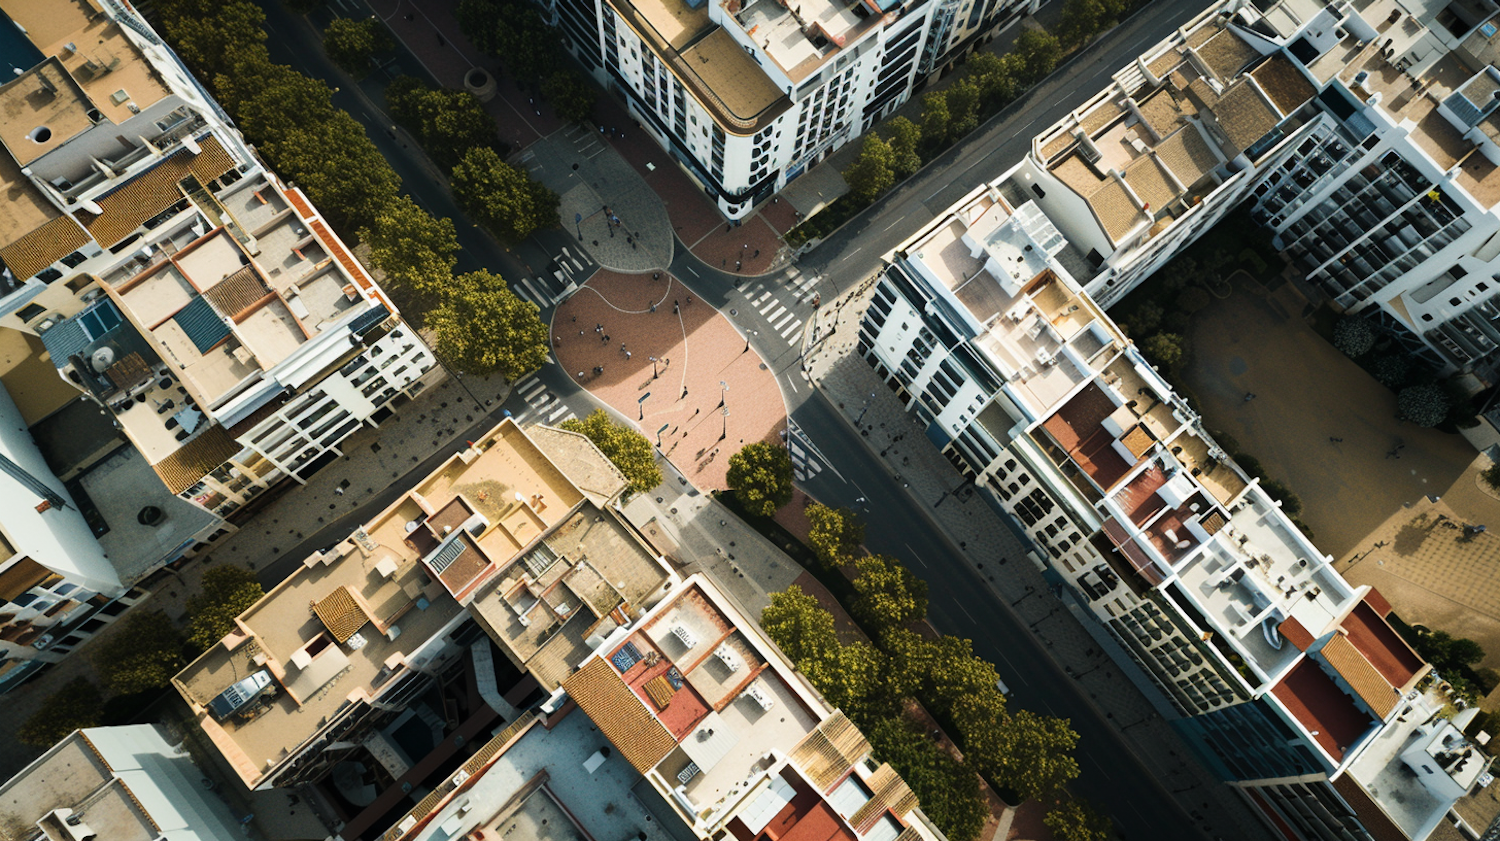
(545, 292)
(807, 462)
(782, 317)
(542, 405)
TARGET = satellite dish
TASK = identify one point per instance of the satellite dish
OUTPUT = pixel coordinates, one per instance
(102, 359)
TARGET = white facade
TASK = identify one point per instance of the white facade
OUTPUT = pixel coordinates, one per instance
(747, 96)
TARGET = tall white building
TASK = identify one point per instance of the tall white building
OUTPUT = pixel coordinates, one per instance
(1365, 133)
(114, 784)
(171, 277)
(748, 95)
(1288, 680)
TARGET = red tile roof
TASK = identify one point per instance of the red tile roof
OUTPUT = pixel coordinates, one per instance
(1382, 646)
(1322, 707)
(1295, 634)
(1378, 603)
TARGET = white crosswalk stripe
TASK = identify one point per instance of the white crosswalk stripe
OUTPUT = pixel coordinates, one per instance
(774, 315)
(777, 324)
(541, 404)
(804, 464)
(792, 330)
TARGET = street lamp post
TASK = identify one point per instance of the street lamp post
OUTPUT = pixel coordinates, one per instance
(866, 408)
(1030, 591)
(641, 402)
(725, 432)
(659, 432)
(654, 372)
(578, 225)
(723, 387)
(747, 340)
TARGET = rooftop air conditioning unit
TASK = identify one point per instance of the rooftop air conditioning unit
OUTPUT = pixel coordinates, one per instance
(45, 325)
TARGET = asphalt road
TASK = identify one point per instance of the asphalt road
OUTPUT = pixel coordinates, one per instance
(1112, 775)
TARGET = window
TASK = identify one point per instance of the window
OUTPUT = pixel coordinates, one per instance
(30, 312)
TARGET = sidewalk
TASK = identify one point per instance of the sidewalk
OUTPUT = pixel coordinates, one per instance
(698, 423)
(979, 535)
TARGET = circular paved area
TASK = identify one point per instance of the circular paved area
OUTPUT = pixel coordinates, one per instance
(696, 348)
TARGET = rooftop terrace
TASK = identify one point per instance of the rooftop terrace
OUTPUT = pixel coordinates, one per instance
(800, 36)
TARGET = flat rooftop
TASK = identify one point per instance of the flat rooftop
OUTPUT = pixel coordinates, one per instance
(72, 776)
(120, 487)
(800, 37)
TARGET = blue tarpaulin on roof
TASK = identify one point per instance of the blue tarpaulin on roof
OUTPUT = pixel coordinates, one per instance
(202, 325)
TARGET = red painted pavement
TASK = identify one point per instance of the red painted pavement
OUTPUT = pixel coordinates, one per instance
(701, 349)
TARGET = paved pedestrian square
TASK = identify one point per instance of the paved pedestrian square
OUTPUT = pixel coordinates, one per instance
(676, 400)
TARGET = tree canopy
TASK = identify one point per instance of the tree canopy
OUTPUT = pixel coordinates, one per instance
(1076, 819)
(948, 791)
(227, 591)
(448, 123)
(871, 174)
(482, 327)
(515, 33)
(417, 250)
(571, 96)
(143, 653)
(889, 594)
(1423, 405)
(1164, 349)
(77, 704)
(835, 535)
(627, 448)
(504, 199)
(906, 144)
(1353, 336)
(799, 625)
(1027, 753)
(761, 476)
(351, 44)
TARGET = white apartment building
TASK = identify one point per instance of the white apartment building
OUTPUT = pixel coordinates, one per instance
(748, 95)
(116, 783)
(1365, 133)
(171, 277)
(1287, 679)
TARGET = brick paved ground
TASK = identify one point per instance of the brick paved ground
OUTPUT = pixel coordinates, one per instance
(748, 248)
(979, 535)
(702, 349)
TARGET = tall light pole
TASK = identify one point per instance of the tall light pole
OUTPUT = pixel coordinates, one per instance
(865, 409)
(747, 340)
(724, 433)
(723, 387)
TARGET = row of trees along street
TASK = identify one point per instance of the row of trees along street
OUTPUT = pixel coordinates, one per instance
(479, 325)
(895, 672)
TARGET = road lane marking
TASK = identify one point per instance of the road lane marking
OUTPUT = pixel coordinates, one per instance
(915, 555)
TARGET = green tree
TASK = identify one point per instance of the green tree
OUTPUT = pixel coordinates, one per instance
(955, 673)
(571, 96)
(483, 328)
(997, 78)
(1423, 405)
(963, 107)
(906, 143)
(888, 592)
(835, 534)
(800, 626)
(761, 476)
(1040, 51)
(1082, 20)
(1144, 319)
(1353, 336)
(515, 33)
(77, 704)
(936, 118)
(625, 447)
(270, 100)
(948, 791)
(143, 653)
(210, 35)
(872, 172)
(417, 250)
(227, 591)
(352, 44)
(448, 123)
(504, 199)
(1076, 819)
(338, 167)
(1031, 754)
(1392, 369)
(1164, 349)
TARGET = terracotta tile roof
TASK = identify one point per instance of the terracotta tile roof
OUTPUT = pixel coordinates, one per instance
(1371, 816)
(890, 793)
(1226, 54)
(1214, 521)
(1164, 63)
(1188, 155)
(827, 753)
(660, 691)
(1378, 603)
(193, 460)
(1138, 440)
(237, 292)
(1285, 84)
(341, 613)
(1078, 175)
(1149, 181)
(155, 190)
(1245, 115)
(1293, 632)
(1116, 210)
(43, 247)
(22, 576)
(599, 692)
(129, 371)
(1163, 112)
(1102, 115)
(1361, 676)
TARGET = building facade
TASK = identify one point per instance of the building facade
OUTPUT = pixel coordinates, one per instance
(748, 96)
(172, 278)
(1288, 680)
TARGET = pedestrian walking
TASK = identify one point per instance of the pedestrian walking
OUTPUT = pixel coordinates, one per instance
(627, 356)
(603, 340)
(653, 307)
(339, 491)
(556, 341)
(756, 254)
(737, 265)
(675, 308)
(656, 275)
(690, 299)
(622, 347)
(1333, 440)
(684, 392)
(580, 375)
(606, 339)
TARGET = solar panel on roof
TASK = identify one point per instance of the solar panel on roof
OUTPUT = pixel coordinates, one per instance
(446, 555)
